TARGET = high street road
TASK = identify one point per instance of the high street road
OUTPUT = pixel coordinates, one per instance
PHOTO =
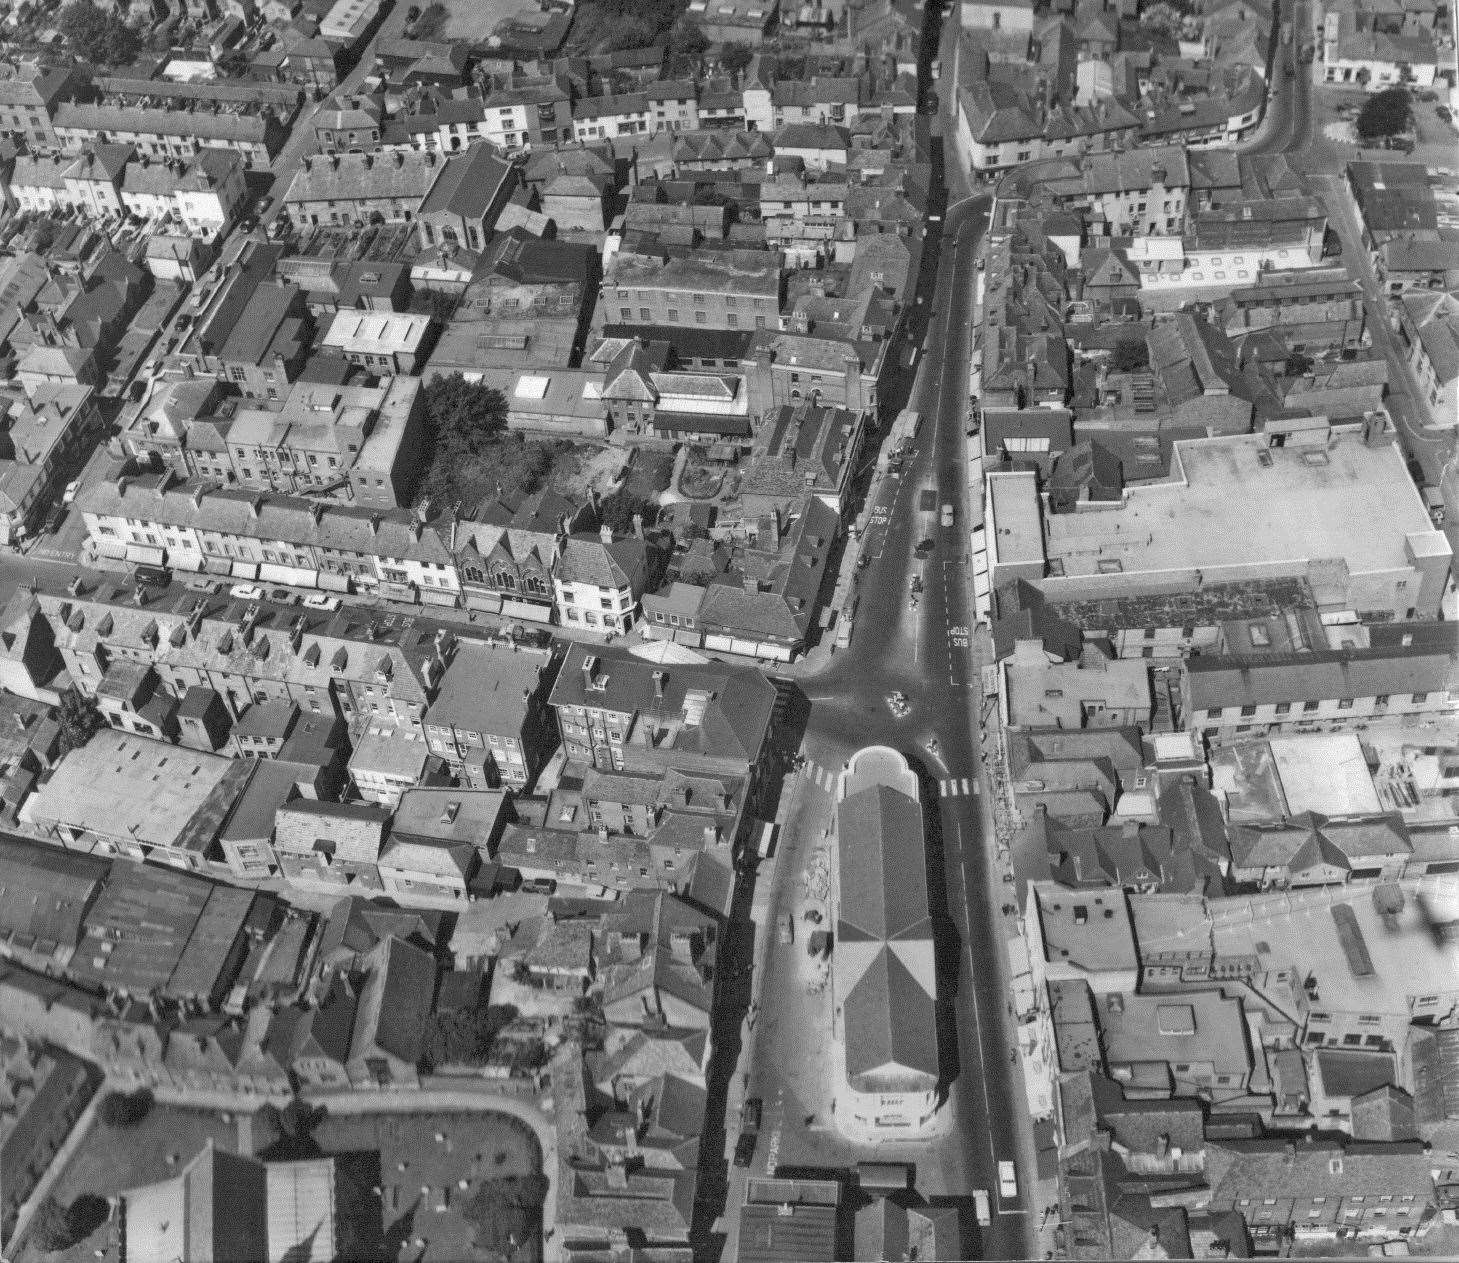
(927, 653)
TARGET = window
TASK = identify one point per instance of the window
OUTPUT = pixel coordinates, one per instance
(1381, 700)
(673, 315)
(699, 317)
(626, 312)
(1345, 703)
(1284, 708)
(1215, 712)
(1248, 711)
(1310, 708)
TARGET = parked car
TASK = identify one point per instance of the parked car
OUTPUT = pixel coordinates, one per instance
(787, 928)
(322, 601)
(751, 1112)
(947, 515)
(924, 549)
(282, 596)
(980, 1203)
(246, 592)
(200, 583)
(1007, 1179)
(73, 489)
(55, 519)
(745, 1148)
(539, 886)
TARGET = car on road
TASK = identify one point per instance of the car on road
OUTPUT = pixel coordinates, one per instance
(200, 583)
(73, 489)
(786, 928)
(539, 886)
(322, 601)
(751, 1113)
(55, 519)
(980, 1204)
(246, 592)
(745, 1148)
(947, 515)
(924, 549)
(1007, 1179)
(927, 500)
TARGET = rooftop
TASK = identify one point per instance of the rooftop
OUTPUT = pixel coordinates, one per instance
(1235, 503)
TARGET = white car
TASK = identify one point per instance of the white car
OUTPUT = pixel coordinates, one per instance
(73, 489)
(246, 592)
(321, 601)
(1007, 1180)
(947, 515)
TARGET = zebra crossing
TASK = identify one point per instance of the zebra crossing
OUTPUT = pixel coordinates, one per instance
(824, 778)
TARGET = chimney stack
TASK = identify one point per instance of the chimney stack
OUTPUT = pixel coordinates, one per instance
(605, 533)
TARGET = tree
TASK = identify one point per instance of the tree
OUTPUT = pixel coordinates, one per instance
(1130, 355)
(687, 46)
(79, 718)
(126, 1109)
(1384, 114)
(50, 1232)
(1297, 364)
(504, 1212)
(98, 35)
(463, 416)
(619, 509)
(736, 58)
(85, 1215)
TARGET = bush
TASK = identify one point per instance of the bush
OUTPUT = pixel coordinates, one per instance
(126, 1109)
(1384, 114)
(465, 1037)
(735, 58)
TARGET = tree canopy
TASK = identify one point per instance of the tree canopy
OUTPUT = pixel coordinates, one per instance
(735, 58)
(505, 1212)
(1384, 113)
(619, 509)
(464, 417)
(98, 35)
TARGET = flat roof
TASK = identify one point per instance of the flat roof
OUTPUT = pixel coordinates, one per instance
(1016, 534)
(122, 786)
(1234, 502)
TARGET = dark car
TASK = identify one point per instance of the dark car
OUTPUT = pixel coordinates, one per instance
(155, 576)
(751, 1112)
(745, 1148)
(924, 549)
(537, 637)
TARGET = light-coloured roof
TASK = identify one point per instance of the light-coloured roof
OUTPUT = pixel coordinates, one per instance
(1232, 504)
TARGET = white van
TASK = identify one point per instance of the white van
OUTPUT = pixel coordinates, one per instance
(1007, 1180)
(980, 1203)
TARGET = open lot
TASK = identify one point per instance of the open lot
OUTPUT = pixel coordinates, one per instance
(475, 20)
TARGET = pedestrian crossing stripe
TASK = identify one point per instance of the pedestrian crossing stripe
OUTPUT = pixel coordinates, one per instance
(824, 778)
